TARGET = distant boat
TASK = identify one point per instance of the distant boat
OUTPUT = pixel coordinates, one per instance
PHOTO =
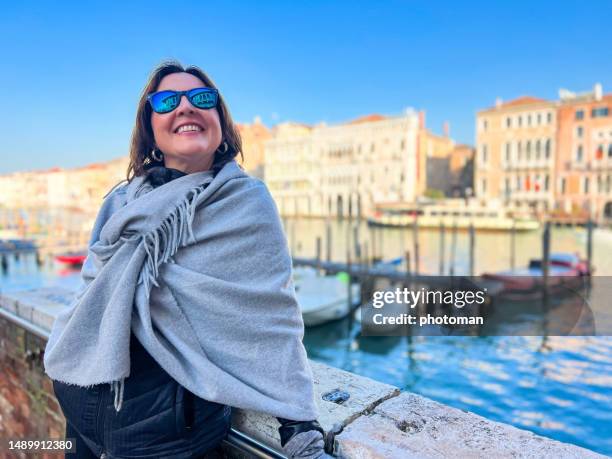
(323, 298)
(74, 259)
(449, 214)
(566, 271)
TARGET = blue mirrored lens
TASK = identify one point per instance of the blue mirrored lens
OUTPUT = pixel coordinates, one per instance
(164, 101)
(203, 97)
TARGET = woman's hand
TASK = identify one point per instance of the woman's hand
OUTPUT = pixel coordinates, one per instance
(306, 445)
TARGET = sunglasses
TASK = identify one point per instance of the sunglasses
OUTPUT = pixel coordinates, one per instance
(166, 101)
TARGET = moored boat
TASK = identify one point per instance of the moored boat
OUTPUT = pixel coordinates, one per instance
(450, 214)
(74, 259)
(566, 272)
(322, 298)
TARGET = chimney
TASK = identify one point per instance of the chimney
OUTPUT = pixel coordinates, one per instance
(597, 91)
(446, 129)
(421, 119)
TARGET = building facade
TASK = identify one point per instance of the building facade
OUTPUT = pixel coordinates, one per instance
(343, 170)
(584, 160)
(515, 159)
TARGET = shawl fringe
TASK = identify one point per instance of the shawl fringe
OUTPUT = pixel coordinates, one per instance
(161, 244)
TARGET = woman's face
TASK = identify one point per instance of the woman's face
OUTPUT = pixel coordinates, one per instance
(192, 150)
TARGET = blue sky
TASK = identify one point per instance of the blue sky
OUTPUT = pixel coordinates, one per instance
(72, 74)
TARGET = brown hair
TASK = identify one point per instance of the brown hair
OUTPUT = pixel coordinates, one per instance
(143, 141)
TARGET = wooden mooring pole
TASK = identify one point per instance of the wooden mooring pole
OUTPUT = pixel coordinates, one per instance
(589, 247)
(415, 242)
(545, 258)
(441, 249)
(472, 237)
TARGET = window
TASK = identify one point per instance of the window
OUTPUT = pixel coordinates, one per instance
(518, 182)
(508, 150)
(528, 150)
(610, 151)
(484, 154)
(599, 112)
(549, 117)
(579, 132)
(562, 185)
(508, 122)
(403, 145)
(579, 115)
(546, 182)
(599, 184)
(579, 153)
(608, 183)
(537, 149)
(507, 185)
(520, 121)
(483, 185)
(585, 185)
(519, 150)
(547, 149)
(528, 120)
(539, 119)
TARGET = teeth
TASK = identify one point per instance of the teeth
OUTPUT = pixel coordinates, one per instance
(189, 127)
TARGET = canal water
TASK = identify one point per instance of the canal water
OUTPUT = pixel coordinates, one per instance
(559, 387)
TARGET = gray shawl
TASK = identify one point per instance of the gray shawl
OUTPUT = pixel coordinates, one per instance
(200, 271)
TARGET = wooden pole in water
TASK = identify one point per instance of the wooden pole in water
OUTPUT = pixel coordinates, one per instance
(366, 264)
(545, 257)
(408, 273)
(589, 245)
(415, 242)
(318, 248)
(348, 268)
(373, 239)
(513, 245)
(293, 237)
(441, 249)
(472, 237)
(328, 240)
(453, 250)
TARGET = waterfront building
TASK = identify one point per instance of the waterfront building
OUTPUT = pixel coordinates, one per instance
(549, 156)
(253, 136)
(344, 169)
(584, 159)
(515, 151)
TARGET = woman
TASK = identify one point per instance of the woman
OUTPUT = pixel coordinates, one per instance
(187, 305)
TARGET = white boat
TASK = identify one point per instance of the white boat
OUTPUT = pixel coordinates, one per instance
(322, 298)
(451, 213)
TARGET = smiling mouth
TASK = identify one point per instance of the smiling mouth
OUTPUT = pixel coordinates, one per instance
(188, 128)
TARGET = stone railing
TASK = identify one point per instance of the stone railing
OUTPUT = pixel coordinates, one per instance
(371, 419)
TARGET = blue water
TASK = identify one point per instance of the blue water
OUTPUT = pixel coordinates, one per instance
(559, 387)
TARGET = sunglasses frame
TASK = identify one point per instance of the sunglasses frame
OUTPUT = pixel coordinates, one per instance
(180, 95)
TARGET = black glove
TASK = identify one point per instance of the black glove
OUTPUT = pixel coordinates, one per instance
(302, 439)
(306, 445)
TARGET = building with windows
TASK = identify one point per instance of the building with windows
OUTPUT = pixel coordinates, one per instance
(254, 136)
(551, 156)
(584, 156)
(514, 160)
(345, 169)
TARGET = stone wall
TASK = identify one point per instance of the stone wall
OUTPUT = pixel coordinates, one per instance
(371, 419)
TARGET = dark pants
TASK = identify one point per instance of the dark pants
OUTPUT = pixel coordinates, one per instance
(159, 418)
